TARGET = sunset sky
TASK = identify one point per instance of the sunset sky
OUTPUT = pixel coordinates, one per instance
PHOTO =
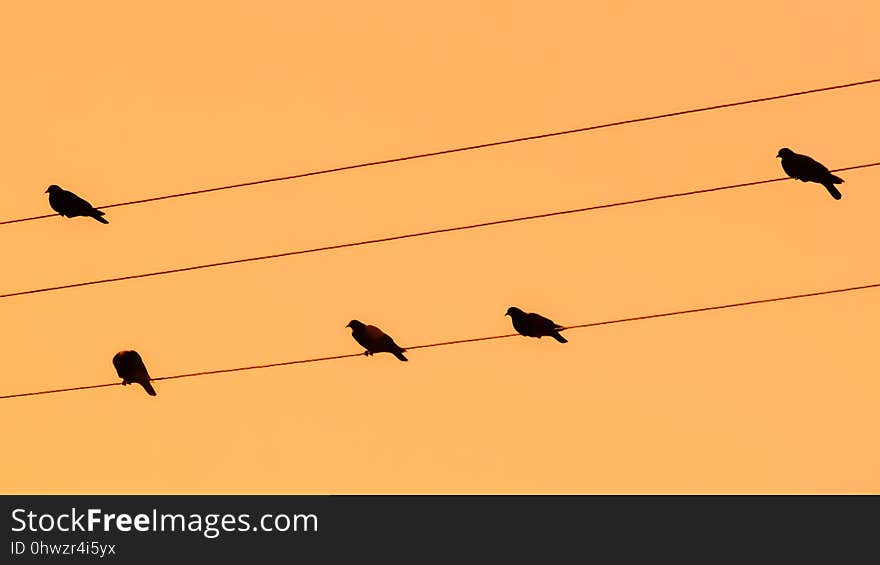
(118, 101)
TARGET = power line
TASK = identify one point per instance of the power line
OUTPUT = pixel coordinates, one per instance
(471, 340)
(409, 235)
(470, 147)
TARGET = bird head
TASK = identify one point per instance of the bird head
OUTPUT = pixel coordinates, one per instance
(53, 188)
(784, 152)
(513, 311)
(354, 324)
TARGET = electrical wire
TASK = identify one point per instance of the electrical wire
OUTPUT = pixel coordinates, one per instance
(469, 340)
(408, 235)
(470, 147)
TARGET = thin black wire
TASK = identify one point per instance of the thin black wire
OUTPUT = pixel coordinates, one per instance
(470, 340)
(470, 147)
(409, 235)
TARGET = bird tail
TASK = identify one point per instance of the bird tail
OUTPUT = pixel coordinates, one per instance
(833, 190)
(97, 215)
(399, 354)
(148, 387)
(835, 179)
(558, 337)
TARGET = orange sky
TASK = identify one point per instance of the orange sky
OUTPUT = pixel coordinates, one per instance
(118, 101)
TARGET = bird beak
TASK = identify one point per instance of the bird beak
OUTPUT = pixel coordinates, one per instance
(47, 190)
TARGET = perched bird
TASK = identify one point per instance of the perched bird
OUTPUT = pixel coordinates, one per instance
(530, 324)
(69, 204)
(374, 340)
(806, 169)
(131, 369)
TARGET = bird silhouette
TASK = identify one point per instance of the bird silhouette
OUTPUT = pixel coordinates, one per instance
(807, 169)
(131, 369)
(530, 324)
(374, 340)
(69, 204)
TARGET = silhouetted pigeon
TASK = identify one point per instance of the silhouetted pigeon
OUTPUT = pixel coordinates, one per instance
(131, 369)
(374, 340)
(69, 204)
(806, 169)
(534, 325)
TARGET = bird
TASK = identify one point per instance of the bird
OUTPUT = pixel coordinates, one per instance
(374, 340)
(69, 204)
(131, 369)
(530, 324)
(807, 169)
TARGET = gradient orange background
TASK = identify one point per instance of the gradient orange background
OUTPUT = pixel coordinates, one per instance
(118, 101)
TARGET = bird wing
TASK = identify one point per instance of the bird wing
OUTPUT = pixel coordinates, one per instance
(375, 337)
(540, 323)
(808, 168)
(388, 344)
(74, 202)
